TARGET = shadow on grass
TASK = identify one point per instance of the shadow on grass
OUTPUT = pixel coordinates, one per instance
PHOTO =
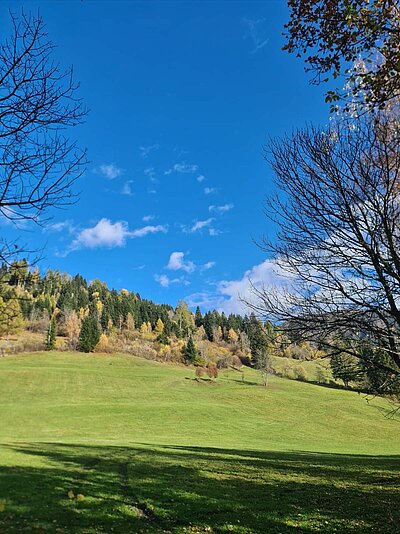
(191, 489)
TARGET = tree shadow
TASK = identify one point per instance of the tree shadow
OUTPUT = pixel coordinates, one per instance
(154, 489)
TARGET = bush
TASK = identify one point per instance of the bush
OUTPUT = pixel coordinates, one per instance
(300, 373)
(212, 371)
(199, 372)
(321, 375)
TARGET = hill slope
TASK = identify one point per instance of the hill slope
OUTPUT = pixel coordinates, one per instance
(153, 450)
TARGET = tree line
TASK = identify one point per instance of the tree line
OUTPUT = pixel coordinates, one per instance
(56, 302)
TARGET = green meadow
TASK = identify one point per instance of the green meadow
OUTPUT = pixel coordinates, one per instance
(113, 443)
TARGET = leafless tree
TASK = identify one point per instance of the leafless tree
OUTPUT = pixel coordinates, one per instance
(337, 208)
(38, 103)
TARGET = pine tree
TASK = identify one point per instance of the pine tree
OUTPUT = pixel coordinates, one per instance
(198, 318)
(90, 334)
(190, 351)
(51, 334)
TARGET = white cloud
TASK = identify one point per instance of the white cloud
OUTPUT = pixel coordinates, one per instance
(110, 235)
(221, 209)
(177, 262)
(201, 178)
(208, 265)
(162, 279)
(198, 226)
(209, 190)
(104, 233)
(148, 218)
(110, 171)
(151, 175)
(63, 226)
(213, 232)
(165, 281)
(229, 294)
(146, 230)
(127, 188)
(146, 150)
(185, 168)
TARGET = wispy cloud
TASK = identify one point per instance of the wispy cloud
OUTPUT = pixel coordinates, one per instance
(198, 226)
(62, 226)
(110, 235)
(207, 266)
(183, 167)
(110, 171)
(146, 230)
(209, 190)
(256, 32)
(177, 262)
(213, 232)
(127, 188)
(151, 175)
(201, 178)
(148, 218)
(145, 151)
(165, 281)
(221, 209)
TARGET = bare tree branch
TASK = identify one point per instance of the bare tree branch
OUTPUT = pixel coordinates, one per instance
(38, 162)
(338, 210)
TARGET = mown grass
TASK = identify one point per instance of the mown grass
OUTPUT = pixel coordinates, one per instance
(153, 450)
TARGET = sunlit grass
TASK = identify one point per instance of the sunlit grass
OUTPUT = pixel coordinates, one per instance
(149, 449)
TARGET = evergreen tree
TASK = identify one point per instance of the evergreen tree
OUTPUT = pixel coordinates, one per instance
(90, 334)
(198, 318)
(51, 334)
(190, 351)
(163, 338)
(209, 324)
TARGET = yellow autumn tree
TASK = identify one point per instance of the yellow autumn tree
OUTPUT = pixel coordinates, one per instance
(159, 329)
(11, 319)
(99, 307)
(144, 329)
(83, 312)
(103, 344)
(232, 335)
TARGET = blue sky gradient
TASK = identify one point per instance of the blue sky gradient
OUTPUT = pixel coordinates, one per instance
(183, 97)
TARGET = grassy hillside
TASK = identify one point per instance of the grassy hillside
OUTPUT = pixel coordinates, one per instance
(153, 450)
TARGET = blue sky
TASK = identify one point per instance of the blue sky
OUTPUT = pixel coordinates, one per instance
(183, 96)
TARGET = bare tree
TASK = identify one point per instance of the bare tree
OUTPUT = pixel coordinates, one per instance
(338, 210)
(38, 163)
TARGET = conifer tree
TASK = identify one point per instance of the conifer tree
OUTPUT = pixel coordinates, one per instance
(198, 318)
(51, 334)
(90, 334)
(190, 351)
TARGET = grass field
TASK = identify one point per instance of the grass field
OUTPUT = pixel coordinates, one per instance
(149, 449)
